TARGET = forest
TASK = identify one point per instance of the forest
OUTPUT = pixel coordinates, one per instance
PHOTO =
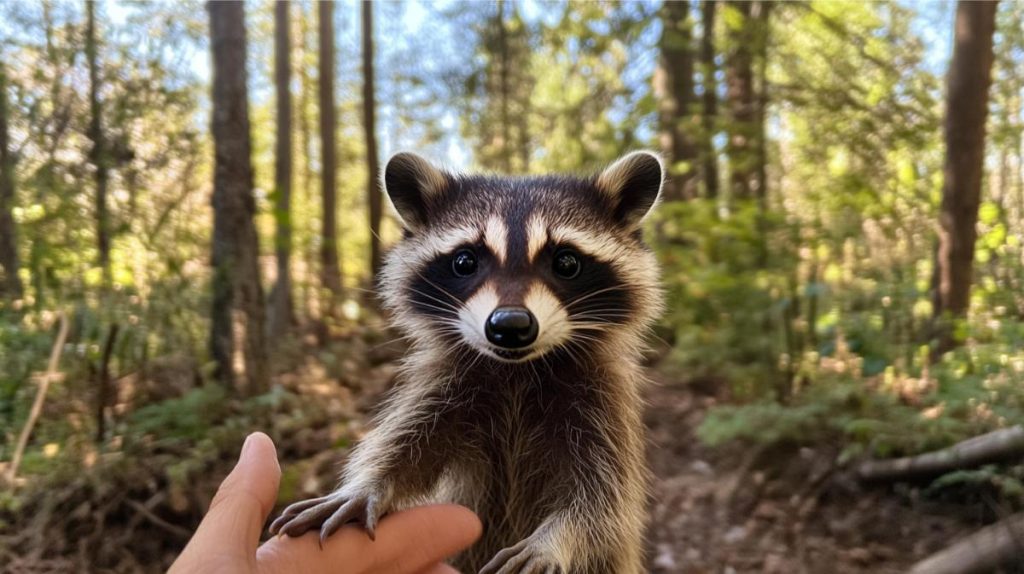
(192, 224)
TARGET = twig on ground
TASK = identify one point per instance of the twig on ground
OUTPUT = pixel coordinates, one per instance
(37, 405)
(159, 522)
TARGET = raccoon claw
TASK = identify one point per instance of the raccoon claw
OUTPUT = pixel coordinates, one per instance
(523, 558)
(328, 514)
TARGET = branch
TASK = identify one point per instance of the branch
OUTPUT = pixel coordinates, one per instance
(37, 405)
(991, 447)
(984, 551)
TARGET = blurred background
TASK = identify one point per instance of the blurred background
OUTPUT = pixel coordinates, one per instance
(841, 240)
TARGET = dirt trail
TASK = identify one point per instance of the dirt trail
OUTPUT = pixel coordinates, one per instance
(735, 510)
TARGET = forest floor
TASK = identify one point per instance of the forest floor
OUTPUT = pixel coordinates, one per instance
(727, 510)
(736, 510)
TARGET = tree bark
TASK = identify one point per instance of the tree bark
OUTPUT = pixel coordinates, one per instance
(10, 283)
(97, 154)
(103, 384)
(236, 283)
(710, 98)
(281, 309)
(505, 90)
(306, 177)
(330, 273)
(992, 547)
(970, 74)
(761, 31)
(992, 447)
(741, 102)
(673, 82)
(373, 190)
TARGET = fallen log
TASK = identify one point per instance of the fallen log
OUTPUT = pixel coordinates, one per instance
(986, 550)
(992, 447)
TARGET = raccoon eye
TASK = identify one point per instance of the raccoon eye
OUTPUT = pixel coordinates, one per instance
(566, 264)
(464, 263)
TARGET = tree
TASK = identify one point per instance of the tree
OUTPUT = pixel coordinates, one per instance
(330, 273)
(373, 190)
(98, 154)
(967, 85)
(281, 309)
(10, 283)
(236, 282)
(497, 113)
(740, 99)
(673, 84)
(710, 97)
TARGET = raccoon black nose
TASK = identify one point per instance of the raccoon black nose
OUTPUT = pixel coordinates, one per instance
(511, 327)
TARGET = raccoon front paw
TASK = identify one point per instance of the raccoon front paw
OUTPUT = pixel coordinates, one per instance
(523, 558)
(329, 513)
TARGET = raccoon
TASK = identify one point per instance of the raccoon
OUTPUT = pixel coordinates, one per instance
(526, 301)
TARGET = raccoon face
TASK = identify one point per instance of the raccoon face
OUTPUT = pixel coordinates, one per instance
(516, 268)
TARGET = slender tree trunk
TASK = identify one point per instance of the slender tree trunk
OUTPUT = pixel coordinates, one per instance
(281, 309)
(306, 169)
(761, 32)
(710, 97)
(970, 74)
(330, 273)
(369, 124)
(504, 87)
(98, 153)
(10, 283)
(236, 283)
(741, 102)
(103, 391)
(673, 82)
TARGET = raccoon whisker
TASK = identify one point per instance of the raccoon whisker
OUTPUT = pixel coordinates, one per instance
(439, 301)
(364, 290)
(603, 316)
(435, 307)
(386, 343)
(586, 296)
(439, 288)
(592, 325)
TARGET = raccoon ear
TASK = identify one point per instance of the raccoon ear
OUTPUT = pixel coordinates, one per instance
(633, 184)
(412, 183)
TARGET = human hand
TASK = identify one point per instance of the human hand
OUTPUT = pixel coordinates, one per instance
(227, 540)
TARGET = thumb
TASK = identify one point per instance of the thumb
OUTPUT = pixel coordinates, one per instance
(243, 501)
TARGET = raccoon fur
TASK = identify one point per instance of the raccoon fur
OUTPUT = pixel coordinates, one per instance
(526, 300)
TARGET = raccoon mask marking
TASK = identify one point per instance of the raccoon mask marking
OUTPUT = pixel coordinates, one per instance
(516, 268)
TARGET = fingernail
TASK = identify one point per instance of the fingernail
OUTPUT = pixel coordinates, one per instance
(246, 445)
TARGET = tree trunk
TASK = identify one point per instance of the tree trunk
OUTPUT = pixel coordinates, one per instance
(970, 73)
(504, 87)
(761, 33)
(741, 102)
(710, 98)
(10, 283)
(97, 154)
(673, 83)
(306, 177)
(369, 124)
(330, 273)
(281, 296)
(103, 390)
(236, 284)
